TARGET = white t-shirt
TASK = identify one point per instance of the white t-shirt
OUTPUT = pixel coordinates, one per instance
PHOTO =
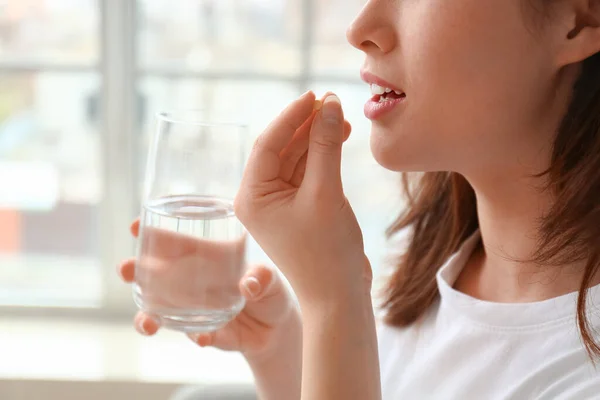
(466, 348)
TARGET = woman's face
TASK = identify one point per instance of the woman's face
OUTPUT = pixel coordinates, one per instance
(478, 83)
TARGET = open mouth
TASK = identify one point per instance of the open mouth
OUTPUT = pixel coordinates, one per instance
(382, 94)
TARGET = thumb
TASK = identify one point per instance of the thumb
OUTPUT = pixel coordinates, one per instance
(325, 148)
(257, 283)
(267, 298)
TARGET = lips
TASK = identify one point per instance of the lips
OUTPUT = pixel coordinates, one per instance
(385, 96)
(378, 82)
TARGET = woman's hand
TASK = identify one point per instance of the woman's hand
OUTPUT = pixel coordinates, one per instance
(302, 220)
(292, 202)
(268, 316)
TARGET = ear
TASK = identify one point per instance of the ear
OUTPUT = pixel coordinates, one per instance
(582, 32)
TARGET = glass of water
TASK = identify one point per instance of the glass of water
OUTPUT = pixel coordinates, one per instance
(191, 248)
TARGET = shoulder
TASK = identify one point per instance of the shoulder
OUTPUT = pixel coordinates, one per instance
(396, 340)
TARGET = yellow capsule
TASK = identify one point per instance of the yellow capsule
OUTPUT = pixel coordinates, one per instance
(318, 105)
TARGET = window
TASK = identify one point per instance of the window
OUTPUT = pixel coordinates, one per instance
(80, 83)
(50, 153)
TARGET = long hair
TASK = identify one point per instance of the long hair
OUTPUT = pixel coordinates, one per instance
(441, 213)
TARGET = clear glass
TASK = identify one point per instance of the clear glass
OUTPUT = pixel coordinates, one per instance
(255, 102)
(221, 35)
(51, 179)
(51, 32)
(192, 248)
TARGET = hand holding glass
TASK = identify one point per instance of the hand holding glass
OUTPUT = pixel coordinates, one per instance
(191, 250)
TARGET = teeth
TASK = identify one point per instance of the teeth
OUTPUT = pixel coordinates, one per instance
(380, 90)
(384, 99)
(377, 90)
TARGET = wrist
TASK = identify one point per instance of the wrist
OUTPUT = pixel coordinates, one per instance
(356, 305)
(352, 289)
(340, 342)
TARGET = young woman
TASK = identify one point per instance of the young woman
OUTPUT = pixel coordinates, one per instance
(497, 105)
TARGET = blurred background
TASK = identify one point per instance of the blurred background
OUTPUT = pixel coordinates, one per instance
(80, 83)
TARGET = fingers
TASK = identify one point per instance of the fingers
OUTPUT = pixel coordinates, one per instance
(126, 270)
(347, 130)
(298, 147)
(323, 166)
(145, 324)
(298, 175)
(135, 228)
(268, 299)
(283, 128)
(257, 282)
(264, 162)
(203, 339)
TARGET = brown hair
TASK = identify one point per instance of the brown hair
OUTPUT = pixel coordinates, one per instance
(441, 213)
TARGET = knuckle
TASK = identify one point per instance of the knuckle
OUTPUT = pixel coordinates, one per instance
(325, 145)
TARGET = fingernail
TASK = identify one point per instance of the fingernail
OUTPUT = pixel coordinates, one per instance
(204, 340)
(331, 110)
(141, 328)
(120, 269)
(252, 285)
(201, 339)
(119, 266)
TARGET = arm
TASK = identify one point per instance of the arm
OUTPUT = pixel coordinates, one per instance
(297, 212)
(278, 373)
(340, 351)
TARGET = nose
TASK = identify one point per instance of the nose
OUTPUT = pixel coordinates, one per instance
(373, 29)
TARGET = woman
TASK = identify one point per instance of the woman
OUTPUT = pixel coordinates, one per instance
(489, 299)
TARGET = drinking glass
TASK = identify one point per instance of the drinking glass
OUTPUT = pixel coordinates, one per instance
(191, 247)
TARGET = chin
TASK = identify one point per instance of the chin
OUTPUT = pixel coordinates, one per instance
(398, 153)
(392, 158)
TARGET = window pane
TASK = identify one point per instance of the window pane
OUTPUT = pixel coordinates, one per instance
(221, 35)
(51, 187)
(331, 52)
(50, 31)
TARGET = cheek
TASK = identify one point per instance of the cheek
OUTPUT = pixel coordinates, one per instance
(470, 70)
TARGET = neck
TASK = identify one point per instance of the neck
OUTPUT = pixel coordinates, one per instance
(511, 206)
(501, 269)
